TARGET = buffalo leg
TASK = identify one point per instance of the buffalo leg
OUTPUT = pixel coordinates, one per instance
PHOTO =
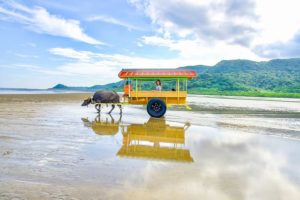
(98, 108)
(120, 107)
(112, 120)
(112, 108)
(97, 118)
(120, 118)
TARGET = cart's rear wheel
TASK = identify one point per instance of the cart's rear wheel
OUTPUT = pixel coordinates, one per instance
(156, 108)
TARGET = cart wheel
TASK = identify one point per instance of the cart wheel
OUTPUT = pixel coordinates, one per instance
(156, 108)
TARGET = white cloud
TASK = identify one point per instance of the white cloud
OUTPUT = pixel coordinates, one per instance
(279, 26)
(118, 60)
(223, 25)
(195, 51)
(202, 32)
(225, 20)
(278, 21)
(38, 19)
(114, 21)
(71, 53)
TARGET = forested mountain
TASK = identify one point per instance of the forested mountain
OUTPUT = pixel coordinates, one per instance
(281, 75)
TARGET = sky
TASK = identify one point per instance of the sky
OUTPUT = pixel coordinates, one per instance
(85, 43)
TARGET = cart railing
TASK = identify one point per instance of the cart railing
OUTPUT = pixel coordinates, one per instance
(175, 94)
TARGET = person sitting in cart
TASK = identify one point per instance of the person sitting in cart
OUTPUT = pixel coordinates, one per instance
(158, 85)
(127, 88)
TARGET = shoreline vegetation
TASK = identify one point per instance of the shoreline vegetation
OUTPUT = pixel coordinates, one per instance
(248, 94)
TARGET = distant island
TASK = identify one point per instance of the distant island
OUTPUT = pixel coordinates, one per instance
(274, 78)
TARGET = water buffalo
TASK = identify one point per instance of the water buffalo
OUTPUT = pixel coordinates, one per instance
(109, 97)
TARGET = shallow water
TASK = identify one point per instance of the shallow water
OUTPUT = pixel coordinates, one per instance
(59, 150)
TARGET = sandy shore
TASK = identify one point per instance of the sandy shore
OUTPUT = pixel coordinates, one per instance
(18, 98)
(52, 148)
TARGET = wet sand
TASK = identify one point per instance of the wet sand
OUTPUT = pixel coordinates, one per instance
(225, 148)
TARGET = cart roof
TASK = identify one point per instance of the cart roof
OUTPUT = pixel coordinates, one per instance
(157, 73)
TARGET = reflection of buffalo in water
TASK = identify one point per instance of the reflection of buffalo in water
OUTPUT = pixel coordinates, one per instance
(108, 126)
(109, 97)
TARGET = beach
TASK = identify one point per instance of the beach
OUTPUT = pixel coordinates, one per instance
(224, 148)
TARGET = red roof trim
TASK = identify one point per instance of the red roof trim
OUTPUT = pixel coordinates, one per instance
(131, 73)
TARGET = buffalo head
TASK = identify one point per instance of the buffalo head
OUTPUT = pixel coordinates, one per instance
(86, 102)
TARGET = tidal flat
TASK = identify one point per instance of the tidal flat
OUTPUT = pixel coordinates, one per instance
(225, 148)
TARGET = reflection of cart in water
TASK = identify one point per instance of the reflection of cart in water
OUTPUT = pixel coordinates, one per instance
(103, 126)
(155, 140)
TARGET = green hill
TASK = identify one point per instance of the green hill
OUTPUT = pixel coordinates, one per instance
(278, 78)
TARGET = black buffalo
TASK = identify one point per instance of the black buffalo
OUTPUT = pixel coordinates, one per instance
(109, 97)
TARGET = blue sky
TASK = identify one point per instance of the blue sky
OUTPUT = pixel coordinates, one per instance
(83, 43)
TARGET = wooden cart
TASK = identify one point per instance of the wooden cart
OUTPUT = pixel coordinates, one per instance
(140, 88)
